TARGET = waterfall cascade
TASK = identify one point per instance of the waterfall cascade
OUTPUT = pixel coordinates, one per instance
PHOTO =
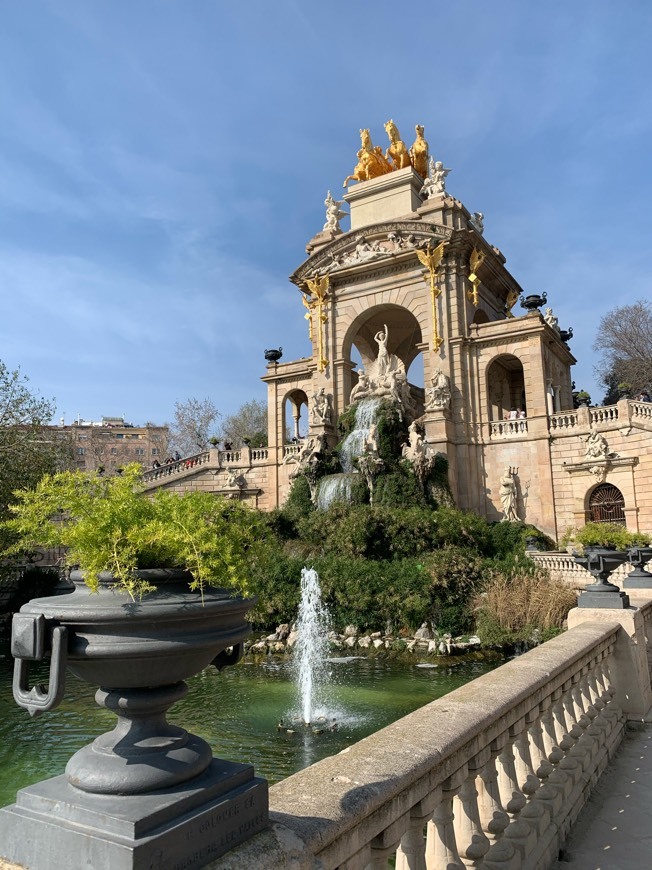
(354, 444)
(337, 487)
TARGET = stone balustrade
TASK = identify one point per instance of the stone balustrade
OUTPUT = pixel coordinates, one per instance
(508, 428)
(490, 776)
(563, 421)
(562, 566)
(606, 414)
(641, 411)
(220, 459)
(291, 450)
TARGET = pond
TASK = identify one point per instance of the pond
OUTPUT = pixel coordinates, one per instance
(236, 711)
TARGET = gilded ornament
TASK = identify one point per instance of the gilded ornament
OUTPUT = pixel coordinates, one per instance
(371, 162)
(318, 289)
(431, 258)
(419, 153)
(476, 260)
(397, 152)
(510, 302)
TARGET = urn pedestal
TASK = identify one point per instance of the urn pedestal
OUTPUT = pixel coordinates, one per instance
(147, 794)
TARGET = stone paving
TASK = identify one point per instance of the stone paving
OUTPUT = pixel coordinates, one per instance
(614, 830)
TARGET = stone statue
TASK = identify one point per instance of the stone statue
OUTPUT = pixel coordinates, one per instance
(334, 214)
(361, 389)
(322, 407)
(236, 478)
(435, 183)
(382, 360)
(416, 447)
(397, 152)
(419, 153)
(550, 319)
(508, 496)
(438, 395)
(371, 441)
(596, 446)
(371, 163)
(477, 222)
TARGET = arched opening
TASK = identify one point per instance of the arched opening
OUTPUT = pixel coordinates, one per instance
(607, 505)
(506, 388)
(480, 316)
(403, 341)
(295, 418)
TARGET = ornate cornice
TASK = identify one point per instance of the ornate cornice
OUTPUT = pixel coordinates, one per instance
(327, 259)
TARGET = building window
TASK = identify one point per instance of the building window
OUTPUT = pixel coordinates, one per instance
(114, 450)
(140, 451)
(607, 505)
(154, 451)
(81, 451)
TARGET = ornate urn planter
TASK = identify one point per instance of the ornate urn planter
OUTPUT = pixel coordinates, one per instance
(533, 301)
(601, 562)
(135, 785)
(639, 578)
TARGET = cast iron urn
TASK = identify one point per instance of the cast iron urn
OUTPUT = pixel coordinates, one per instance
(146, 779)
(533, 301)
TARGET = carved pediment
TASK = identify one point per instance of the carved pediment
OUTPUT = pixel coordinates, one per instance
(379, 242)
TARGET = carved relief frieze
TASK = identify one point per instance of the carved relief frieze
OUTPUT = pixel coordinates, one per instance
(389, 240)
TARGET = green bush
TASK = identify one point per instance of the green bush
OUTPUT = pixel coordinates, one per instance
(506, 538)
(605, 535)
(397, 489)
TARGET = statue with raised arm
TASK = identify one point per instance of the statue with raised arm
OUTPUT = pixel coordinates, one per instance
(435, 183)
(334, 214)
(382, 361)
(508, 496)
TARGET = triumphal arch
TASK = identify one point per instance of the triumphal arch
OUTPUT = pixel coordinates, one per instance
(414, 302)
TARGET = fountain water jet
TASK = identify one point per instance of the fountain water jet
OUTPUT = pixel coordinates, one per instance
(311, 648)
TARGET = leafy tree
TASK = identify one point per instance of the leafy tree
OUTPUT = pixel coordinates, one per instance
(624, 342)
(195, 422)
(28, 447)
(249, 421)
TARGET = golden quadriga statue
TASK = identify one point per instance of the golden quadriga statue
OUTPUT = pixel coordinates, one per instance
(372, 163)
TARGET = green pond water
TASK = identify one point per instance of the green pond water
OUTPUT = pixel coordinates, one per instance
(236, 711)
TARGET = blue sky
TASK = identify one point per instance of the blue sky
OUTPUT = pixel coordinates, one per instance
(162, 165)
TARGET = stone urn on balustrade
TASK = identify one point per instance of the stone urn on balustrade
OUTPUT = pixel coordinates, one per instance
(146, 793)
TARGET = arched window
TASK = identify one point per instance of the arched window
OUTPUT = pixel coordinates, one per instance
(505, 387)
(607, 505)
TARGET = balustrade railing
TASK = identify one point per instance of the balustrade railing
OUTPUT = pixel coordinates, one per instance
(641, 410)
(490, 776)
(563, 421)
(291, 450)
(170, 469)
(258, 454)
(607, 414)
(507, 428)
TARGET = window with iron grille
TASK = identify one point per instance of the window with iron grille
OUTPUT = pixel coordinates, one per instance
(607, 504)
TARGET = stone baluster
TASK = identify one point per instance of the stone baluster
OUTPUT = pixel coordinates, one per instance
(565, 739)
(534, 812)
(600, 723)
(512, 797)
(411, 854)
(492, 815)
(441, 845)
(611, 711)
(550, 794)
(380, 857)
(519, 833)
(559, 779)
(472, 842)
